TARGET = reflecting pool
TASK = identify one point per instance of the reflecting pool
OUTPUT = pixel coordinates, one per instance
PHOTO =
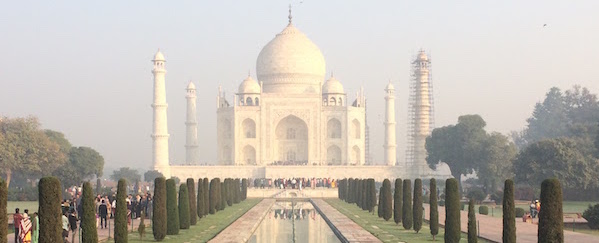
(293, 221)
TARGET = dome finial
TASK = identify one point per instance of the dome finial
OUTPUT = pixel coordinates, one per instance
(290, 17)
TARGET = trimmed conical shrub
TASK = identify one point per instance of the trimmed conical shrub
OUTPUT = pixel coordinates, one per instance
(379, 210)
(434, 209)
(3, 212)
(120, 218)
(452, 212)
(387, 200)
(371, 195)
(471, 223)
(237, 190)
(50, 215)
(244, 189)
(350, 190)
(172, 211)
(191, 191)
(223, 196)
(183, 207)
(229, 191)
(509, 213)
(206, 185)
(406, 211)
(417, 211)
(551, 219)
(159, 209)
(89, 233)
(397, 200)
(200, 200)
(213, 198)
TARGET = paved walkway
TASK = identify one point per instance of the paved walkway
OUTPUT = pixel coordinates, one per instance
(490, 228)
(351, 231)
(102, 233)
(242, 229)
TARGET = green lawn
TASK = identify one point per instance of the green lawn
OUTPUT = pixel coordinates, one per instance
(568, 206)
(207, 227)
(31, 205)
(386, 231)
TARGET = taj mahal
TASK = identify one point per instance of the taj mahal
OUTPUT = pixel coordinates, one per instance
(294, 120)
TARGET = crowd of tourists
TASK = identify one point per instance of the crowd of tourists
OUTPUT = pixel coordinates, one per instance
(26, 226)
(294, 183)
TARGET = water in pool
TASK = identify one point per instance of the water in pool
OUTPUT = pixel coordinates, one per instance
(293, 221)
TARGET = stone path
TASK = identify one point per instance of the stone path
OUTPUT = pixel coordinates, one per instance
(490, 228)
(242, 229)
(348, 229)
(102, 233)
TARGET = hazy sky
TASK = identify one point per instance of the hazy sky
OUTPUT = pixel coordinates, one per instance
(83, 67)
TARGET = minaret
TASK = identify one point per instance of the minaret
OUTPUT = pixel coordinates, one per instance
(160, 134)
(192, 152)
(390, 144)
(421, 109)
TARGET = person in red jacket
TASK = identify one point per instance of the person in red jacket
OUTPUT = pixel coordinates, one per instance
(17, 217)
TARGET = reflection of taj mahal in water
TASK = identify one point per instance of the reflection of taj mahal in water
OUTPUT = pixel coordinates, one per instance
(292, 122)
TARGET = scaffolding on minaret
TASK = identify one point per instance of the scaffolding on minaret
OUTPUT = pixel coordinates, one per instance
(421, 118)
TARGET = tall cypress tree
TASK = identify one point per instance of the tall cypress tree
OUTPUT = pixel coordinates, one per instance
(223, 196)
(359, 193)
(364, 194)
(191, 191)
(434, 209)
(397, 200)
(98, 186)
(89, 232)
(3, 212)
(406, 211)
(350, 190)
(172, 211)
(379, 210)
(213, 199)
(417, 209)
(230, 194)
(244, 189)
(237, 186)
(206, 185)
(551, 220)
(200, 200)
(509, 214)
(183, 207)
(159, 209)
(387, 200)
(452, 212)
(471, 223)
(120, 219)
(371, 195)
(50, 215)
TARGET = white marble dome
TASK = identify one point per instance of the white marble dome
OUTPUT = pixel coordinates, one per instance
(191, 85)
(159, 56)
(332, 86)
(290, 63)
(249, 86)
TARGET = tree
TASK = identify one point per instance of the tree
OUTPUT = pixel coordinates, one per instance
(591, 215)
(556, 158)
(244, 189)
(141, 229)
(191, 189)
(88, 219)
(417, 210)
(509, 214)
(397, 200)
(379, 210)
(406, 211)
(151, 175)
(206, 185)
(172, 212)
(452, 211)
(213, 195)
(26, 149)
(83, 163)
(497, 163)
(350, 189)
(551, 219)
(434, 209)
(131, 175)
(183, 206)
(371, 195)
(238, 196)
(471, 223)
(229, 191)
(159, 216)
(120, 219)
(200, 200)
(387, 200)
(3, 212)
(50, 215)
(223, 196)
(98, 186)
(460, 145)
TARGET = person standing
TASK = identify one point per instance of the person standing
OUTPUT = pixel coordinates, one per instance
(73, 223)
(103, 212)
(17, 217)
(65, 228)
(35, 228)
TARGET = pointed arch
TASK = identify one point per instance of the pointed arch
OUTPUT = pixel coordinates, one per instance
(249, 155)
(356, 131)
(334, 128)
(334, 155)
(249, 128)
